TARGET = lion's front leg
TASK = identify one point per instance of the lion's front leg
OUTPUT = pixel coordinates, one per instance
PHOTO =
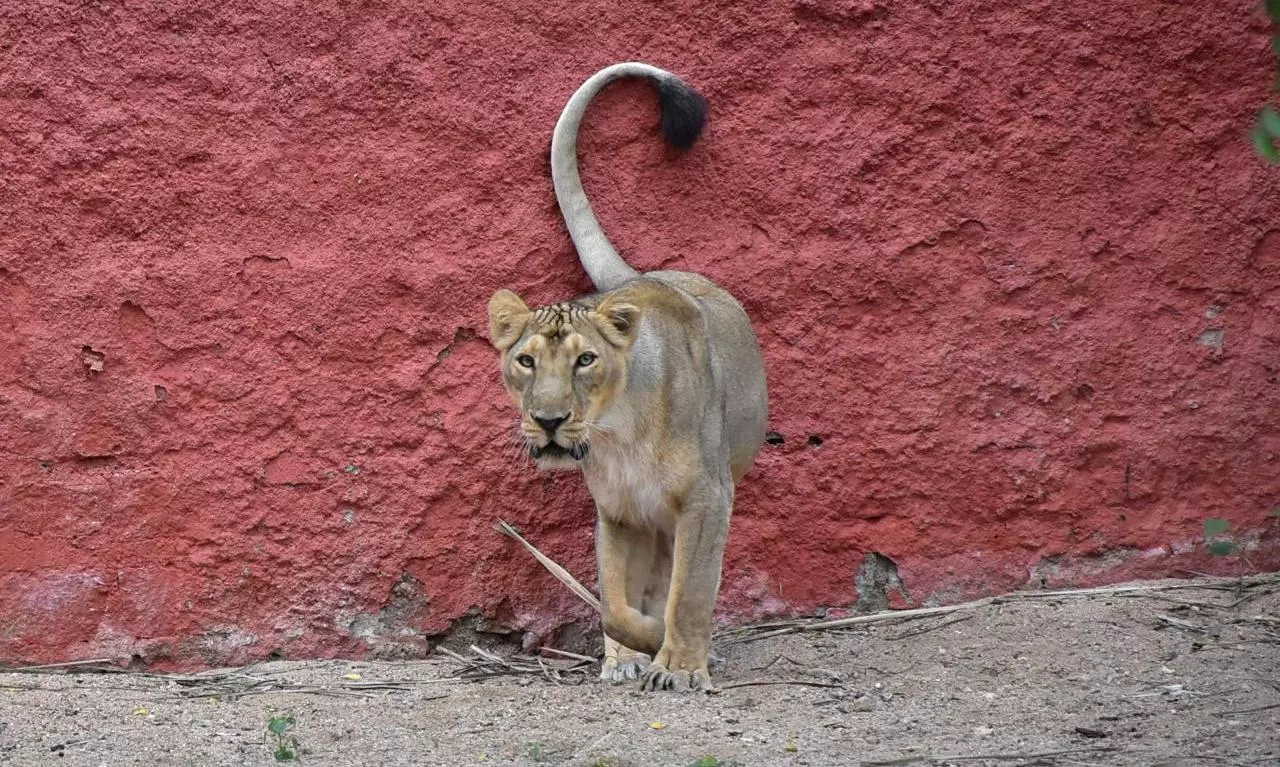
(624, 557)
(701, 531)
(621, 663)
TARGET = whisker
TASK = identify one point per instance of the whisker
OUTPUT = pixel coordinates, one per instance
(514, 449)
(520, 453)
(600, 432)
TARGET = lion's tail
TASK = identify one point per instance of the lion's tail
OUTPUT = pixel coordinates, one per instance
(684, 112)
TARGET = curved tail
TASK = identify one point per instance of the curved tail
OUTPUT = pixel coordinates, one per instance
(684, 112)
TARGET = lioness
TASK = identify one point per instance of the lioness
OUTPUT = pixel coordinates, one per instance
(654, 388)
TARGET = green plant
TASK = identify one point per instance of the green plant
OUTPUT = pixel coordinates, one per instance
(286, 744)
(1267, 128)
(1218, 547)
(537, 751)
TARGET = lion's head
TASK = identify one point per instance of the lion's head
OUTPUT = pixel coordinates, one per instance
(563, 366)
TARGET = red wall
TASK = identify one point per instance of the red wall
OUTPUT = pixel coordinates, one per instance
(1016, 267)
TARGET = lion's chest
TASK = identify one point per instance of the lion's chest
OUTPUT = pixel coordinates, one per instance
(630, 487)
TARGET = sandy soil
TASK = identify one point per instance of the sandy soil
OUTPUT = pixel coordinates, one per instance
(1187, 676)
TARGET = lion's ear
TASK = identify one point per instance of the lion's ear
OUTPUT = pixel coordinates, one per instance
(508, 315)
(619, 320)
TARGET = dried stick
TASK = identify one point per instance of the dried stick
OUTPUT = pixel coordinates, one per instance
(762, 682)
(862, 620)
(943, 758)
(87, 665)
(934, 627)
(1253, 710)
(896, 615)
(567, 654)
(559, 572)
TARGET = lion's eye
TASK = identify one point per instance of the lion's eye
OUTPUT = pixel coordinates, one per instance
(524, 361)
(586, 359)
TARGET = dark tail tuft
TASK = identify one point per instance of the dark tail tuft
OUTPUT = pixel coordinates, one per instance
(684, 111)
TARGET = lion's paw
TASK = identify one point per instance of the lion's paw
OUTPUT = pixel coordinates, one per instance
(658, 677)
(627, 667)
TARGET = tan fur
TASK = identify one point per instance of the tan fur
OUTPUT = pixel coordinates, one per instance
(663, 423)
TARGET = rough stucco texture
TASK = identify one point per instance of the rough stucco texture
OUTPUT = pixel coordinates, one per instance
(1016, 271)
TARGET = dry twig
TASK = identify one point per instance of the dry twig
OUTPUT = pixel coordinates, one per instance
(238, 683)
(567, 654)
(926, 630)
(749, 634)
(762, 682)
(1178, 623)
(559, 572)
(486, 664)
(1253, 710)
(942, 759)
(96, 664)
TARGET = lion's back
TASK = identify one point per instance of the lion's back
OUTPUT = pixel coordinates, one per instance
(737, 364)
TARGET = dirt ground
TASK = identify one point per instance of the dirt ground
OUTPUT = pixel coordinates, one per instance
(1181, 676)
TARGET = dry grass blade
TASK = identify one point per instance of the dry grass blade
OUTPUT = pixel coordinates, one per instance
(488, 655)
(750, 634)
(559, 572)
(857, 620)
(794, 682)
(567, 654)
(233, 684)
(225, 684)
(947, 758)
(1178, 623)
(95, 664)
(1265, 620)
(1253, 710)
(927, 629)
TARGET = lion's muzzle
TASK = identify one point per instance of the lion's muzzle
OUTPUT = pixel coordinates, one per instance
(577, 451)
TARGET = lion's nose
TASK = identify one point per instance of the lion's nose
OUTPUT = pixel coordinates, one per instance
(549, 425)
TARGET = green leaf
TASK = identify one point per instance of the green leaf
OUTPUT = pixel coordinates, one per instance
(279, 724)
(1215, 526)
(1264, 145)
(1270, 120)
(1275, 45)
(1275, 512)
(1222, 548)
(1273, 9)
(285, 754)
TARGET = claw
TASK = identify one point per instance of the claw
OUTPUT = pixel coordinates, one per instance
(628, 669)
(657, 677)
